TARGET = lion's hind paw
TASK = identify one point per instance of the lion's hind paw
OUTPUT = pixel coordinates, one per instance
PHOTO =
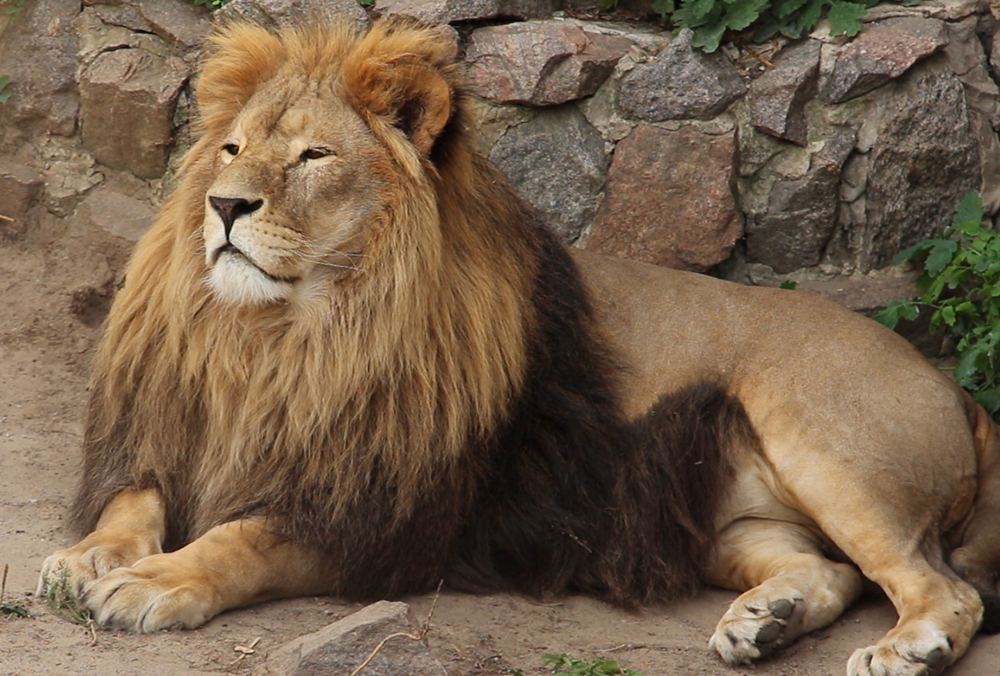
(748, 632)
(928, 655)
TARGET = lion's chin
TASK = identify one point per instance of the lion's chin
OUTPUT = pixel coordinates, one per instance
(237, 281)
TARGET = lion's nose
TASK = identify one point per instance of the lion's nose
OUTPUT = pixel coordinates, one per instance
(231, 208)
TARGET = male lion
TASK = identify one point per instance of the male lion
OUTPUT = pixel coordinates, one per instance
(347, 360)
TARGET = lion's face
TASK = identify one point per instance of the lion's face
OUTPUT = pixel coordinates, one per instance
(298, 182)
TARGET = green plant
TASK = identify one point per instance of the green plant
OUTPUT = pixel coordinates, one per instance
(59, 594)
(10, 610)
(211, 4)
(11, 7)
(5, 88)
(710, 19)
(563, 664)
(961, 285)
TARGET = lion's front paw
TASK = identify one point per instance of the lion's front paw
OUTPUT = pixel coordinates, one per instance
(67, 572)
(920, 651)
(753, 628)
(158, 592)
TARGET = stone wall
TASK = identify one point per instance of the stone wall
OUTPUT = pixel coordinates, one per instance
(816, 160)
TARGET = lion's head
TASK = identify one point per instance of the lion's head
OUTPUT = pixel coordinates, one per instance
(306, 162)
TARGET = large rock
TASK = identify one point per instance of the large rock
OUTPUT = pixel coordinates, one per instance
(557, 163)
(126, 16)
(343, 646)
(801, 212)
(924, 161)
(20, 187)
(670, 199)
(38, 52)
(450, 11)
(181, 22)
(777, 98)
(120, 215)
(69, 172)
(274, 13)
(133, 90)
(680, 83)
(967, 59)
(541, 62)
(882, 52)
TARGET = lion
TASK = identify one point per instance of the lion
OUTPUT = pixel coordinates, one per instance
(347, 360)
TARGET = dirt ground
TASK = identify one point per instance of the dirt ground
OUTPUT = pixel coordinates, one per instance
(44, 351)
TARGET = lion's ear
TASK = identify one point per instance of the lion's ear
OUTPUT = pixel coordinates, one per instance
(242, 57)
(404, 77)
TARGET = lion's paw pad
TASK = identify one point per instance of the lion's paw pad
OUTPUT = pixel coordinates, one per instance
(748, 632)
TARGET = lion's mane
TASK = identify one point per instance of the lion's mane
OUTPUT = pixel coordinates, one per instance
(454, 412)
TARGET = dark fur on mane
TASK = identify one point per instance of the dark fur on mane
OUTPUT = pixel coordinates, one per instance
(576, 497)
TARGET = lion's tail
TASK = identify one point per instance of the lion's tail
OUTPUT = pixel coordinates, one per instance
(977, 560)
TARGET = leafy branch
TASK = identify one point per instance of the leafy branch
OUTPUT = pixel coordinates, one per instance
(710, 19)
(961, 287)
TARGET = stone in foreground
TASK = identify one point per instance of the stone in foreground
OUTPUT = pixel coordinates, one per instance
(343, 646)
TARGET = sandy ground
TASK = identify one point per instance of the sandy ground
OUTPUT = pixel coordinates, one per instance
(44, 351)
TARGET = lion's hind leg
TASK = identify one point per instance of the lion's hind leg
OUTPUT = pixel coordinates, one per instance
(792, 587)
(132, 526)
(896, 541)
(937, 618)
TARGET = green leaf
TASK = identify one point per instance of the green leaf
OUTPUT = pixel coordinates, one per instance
(965, 308)
(909, 311)
(810, 15)
(907, 254)
(789, 284)
(699, 9)
(948, 315)
(662, 7)
(988, 399)
(782, 8)
(845, 18)
(741, 13)
(939, 256)
(12, 610)
(967, 368)
(708, 37)
(894, 310)
(969, 209)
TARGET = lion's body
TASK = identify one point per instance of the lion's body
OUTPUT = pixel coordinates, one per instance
(347, 358)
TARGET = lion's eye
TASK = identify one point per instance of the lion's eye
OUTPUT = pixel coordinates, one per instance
(315, 153)
(231, 148)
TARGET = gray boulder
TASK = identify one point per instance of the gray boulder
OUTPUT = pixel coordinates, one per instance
(558, 164)
(680, 83)
(541, 62)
